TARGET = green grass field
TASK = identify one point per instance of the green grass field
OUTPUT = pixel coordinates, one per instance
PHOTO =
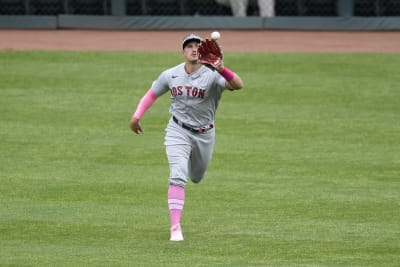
(306, 168)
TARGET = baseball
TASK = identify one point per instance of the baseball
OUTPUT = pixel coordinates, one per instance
(215, 36)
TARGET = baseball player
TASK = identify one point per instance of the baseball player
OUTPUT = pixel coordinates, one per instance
(195, 88)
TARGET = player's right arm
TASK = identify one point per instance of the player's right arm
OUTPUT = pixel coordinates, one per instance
(145, 103)
(135, 125)
(159, 87)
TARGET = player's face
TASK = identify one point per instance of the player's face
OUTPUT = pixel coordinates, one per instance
(190, 51)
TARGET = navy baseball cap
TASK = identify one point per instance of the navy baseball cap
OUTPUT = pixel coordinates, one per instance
(190, 38)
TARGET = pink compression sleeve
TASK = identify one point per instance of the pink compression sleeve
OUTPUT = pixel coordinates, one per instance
(227, 74)
(145, 103)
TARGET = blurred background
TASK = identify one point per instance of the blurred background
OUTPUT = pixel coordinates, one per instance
(328, 8)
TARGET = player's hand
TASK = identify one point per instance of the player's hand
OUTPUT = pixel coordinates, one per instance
(210, 54)
(219, 65)
(135, 126)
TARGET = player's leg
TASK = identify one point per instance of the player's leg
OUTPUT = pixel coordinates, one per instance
(202, 150)
(178, 158)
(178, 151)
(178, 148)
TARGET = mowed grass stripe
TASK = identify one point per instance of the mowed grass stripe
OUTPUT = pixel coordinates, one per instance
(305, 170)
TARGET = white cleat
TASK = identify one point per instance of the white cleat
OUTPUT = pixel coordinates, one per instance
(176, 233)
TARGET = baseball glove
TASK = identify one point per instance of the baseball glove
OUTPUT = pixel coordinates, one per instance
(210, 53)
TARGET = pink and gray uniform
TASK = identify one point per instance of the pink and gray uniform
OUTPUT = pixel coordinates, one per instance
(190, 133)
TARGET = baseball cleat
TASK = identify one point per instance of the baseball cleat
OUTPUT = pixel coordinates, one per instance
(176, 233)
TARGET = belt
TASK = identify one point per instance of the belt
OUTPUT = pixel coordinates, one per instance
(193, 130)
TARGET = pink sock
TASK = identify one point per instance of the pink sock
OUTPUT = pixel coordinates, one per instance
(176, 200)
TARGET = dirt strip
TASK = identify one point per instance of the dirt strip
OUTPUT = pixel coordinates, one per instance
(232, 40)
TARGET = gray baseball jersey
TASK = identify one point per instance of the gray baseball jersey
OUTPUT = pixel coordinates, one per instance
(194, 97)
(194, 101)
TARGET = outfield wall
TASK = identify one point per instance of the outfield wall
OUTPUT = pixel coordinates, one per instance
(117, 18)
(189, 22)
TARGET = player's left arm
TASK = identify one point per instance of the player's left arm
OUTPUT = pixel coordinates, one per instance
(235, 84)
(210, 55)
(233, 81)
